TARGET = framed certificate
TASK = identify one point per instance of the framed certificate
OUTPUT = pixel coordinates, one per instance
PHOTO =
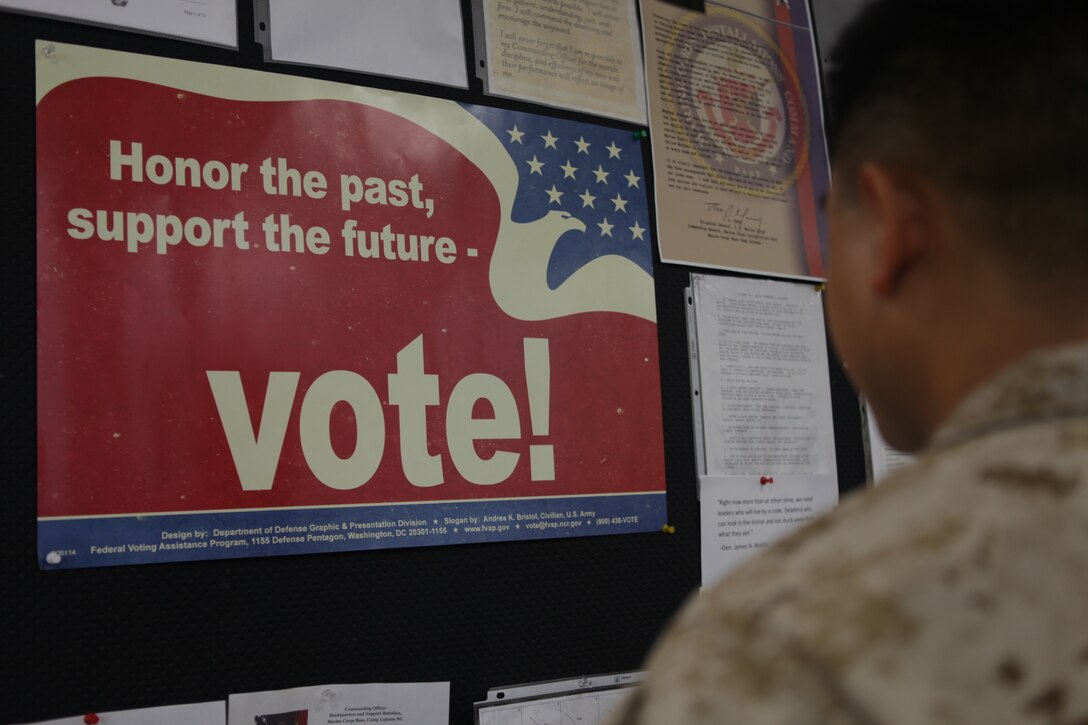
(738, 143)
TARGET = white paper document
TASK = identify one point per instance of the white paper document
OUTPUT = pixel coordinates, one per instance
(883, 460)
(204, 713)
(206, 21)
(415, 703)
(415, 39)
(739, 516)
(763, 390)
(582, 701)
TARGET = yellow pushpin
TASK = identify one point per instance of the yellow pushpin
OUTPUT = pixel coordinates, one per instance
(666, 529)
(821, 286)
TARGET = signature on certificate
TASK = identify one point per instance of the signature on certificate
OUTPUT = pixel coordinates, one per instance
(740, 217)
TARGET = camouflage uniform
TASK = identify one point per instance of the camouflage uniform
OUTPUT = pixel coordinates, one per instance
(957, 592)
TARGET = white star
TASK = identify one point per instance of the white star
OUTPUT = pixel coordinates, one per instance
(568, 170)
(620, 203)
(549, 140)
(632, 180)
(636, 231)
(535, 166)
(606, 228)
(601, 174)
(583, 145)
(587, 199)
(613, 150)
(554, 195)
(515, 134)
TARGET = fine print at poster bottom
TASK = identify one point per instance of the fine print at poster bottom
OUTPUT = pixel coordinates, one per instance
(144, 539)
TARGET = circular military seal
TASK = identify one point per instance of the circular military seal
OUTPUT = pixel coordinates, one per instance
(738, 104)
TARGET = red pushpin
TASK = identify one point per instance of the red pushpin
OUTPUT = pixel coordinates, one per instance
(764, 480)
(90, 718)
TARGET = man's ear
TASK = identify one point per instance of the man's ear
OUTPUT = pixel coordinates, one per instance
(896, 206)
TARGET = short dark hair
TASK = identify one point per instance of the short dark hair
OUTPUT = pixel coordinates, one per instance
(989, 100)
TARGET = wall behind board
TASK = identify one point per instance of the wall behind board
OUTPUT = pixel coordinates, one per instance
(479, 616)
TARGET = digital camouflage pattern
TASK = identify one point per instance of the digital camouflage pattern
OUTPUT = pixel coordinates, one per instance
(957, 592)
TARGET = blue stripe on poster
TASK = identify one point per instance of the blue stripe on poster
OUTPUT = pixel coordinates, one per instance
(118, 540)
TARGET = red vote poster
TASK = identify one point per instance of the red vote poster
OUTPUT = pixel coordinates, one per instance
(279, 315)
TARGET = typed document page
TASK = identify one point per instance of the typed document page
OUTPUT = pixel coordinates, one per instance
(764, 386)
(884, 460)
(580, 55)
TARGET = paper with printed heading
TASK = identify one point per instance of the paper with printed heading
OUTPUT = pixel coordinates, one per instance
(415, 39)
(205, 21)
(739, 516)
(408, 703)
(204, 713)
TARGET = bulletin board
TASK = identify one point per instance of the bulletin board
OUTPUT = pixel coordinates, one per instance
(477, 615)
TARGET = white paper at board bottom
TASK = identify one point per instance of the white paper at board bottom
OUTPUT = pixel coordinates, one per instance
(740, 517)
(203, 713)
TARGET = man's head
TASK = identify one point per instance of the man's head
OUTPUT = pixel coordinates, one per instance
(959, 208)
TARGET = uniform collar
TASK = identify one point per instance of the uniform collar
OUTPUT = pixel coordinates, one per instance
(1047, 385)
